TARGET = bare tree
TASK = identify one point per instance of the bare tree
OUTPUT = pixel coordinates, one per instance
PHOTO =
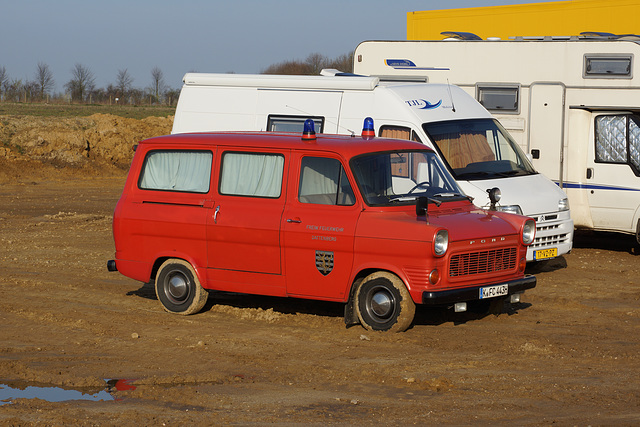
(343, 63)
(4, 80)
(157, 83)
(44, 79)
(312, 65)
(82, 83)
(316, 63)
(124, 82)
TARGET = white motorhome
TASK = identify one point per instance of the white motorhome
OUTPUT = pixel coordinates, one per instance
(572, 104)
(480, 153)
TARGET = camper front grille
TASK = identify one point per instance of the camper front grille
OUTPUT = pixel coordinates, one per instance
(483, 262)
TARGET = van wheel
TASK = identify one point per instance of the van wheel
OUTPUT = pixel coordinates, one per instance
(383, 303)
(178, 288)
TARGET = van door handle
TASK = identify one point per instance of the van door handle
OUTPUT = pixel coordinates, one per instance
(294, 220)
(215, 215)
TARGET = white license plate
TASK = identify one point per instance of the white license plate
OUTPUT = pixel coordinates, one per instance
(494, 291)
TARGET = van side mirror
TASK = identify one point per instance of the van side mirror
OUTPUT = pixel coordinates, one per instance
(535, 153)
(422, 206)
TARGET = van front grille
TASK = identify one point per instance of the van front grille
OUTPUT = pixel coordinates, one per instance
(483, 262)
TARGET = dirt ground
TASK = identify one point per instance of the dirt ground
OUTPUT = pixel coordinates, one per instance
(567, 354)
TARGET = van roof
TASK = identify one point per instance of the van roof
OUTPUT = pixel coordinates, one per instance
(348, 146)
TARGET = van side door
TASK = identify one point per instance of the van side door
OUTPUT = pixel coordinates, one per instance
(243, 228)
(319, 226)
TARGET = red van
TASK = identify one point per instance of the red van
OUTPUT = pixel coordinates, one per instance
(378, 224)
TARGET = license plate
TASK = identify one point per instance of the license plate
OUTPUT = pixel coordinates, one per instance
(545, 253)
(494, 291)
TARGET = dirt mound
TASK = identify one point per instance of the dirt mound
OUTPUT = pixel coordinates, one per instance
(50, 147)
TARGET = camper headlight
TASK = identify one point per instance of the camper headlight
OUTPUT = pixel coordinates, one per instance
(441, 242)
(563, 205)
(514, 209)
(528, 231)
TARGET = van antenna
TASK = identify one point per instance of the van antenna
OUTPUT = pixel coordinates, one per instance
(453, 107)
(326, 120)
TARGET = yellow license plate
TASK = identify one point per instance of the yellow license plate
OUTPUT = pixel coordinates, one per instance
(545, 253)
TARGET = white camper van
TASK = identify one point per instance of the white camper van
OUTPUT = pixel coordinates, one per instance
(479, 152)
(572, 104)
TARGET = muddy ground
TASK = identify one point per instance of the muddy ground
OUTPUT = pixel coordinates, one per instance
(567, 354)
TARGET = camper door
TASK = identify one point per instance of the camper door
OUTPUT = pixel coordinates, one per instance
(613, 171)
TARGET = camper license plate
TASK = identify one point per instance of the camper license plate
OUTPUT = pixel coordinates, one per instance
(545, 253)
(494, 291)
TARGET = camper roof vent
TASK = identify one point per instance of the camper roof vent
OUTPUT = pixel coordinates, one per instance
(460, 35)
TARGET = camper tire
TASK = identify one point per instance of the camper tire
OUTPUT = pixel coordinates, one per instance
(178, 288)
(383, 303)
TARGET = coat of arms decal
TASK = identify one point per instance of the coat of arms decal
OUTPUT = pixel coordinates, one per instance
(324, 262)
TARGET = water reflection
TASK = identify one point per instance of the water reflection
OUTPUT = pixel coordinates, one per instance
(57, 394)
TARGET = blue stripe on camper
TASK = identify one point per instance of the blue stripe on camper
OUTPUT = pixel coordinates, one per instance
(580, 186)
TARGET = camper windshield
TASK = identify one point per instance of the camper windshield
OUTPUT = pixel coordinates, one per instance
(400, 177)
(478, 149)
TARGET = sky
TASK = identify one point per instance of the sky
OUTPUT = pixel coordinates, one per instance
(212, 36)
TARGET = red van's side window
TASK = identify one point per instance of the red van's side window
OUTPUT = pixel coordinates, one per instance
(173, 170)
(252, 174)
(323, 181)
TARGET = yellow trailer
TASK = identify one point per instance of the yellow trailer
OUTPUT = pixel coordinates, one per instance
(566, 18)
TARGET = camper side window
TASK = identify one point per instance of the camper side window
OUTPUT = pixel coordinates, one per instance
(323, 181)
(399, 132)
(608, 66)
(503, 98)
(293, 123)
(617, 139)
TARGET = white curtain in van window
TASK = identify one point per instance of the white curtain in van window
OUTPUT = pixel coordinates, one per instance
(249, 174)
(188, 171)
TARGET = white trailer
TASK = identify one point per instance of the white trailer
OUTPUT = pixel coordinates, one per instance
(572, 104)
(478, 150)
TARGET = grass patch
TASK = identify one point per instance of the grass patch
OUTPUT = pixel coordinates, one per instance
(82, 110)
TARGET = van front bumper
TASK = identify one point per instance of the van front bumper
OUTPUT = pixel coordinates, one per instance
(451, 296)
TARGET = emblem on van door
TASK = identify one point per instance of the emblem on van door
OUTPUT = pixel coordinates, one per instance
(324, 262)
(423, 104)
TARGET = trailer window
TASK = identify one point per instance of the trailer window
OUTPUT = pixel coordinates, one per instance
(323, 181)
(617, 139)
(608, 66)
(252, 174)
(499, 98)
(173, 170)
(293, 123)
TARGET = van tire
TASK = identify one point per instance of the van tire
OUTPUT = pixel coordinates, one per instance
(383, 303)
(178, 288)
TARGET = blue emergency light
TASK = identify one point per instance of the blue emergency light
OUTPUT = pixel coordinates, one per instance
(309, 131)
(367, 128)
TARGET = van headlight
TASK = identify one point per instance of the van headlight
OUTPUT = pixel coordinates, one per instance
(528, 232)
(563, 205)
(441, 242)
(514, 209)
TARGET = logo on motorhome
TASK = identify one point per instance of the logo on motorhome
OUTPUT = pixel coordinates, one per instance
(423, 104)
